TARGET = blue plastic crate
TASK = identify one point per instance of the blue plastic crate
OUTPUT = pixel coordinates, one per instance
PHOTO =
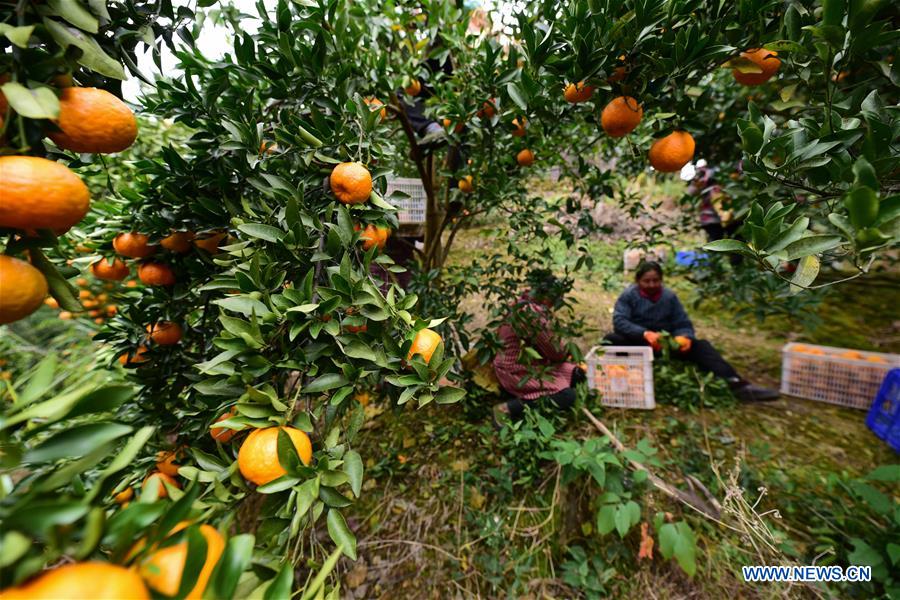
(884, 416)
(690, 258)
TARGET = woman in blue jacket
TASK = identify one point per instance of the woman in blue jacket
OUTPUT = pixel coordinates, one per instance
(647, 308)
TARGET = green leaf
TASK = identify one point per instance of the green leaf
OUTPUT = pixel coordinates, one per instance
(812, 244)
(885, 473)
(864, 554)
(729, 245)
(40, 380)
(325, 382)
(893, 551)
(341, 534)
(280, 587)
(91, 533)
(59, 287)
(517, 96)
(449, 395)
(677, 539)
(244, 305)
(606, 519)
(73, 12)
(327, 567)
(307, 494)
(788, 236)
(353, 467)
(105, 399)
(625, 517)
(76, 441)
(14, 546)
(39, 516)
(360, 350)
(37, 103)
(263, 232)
(17, 35)
(129, 452)
(806, 273)
(235, 560)
(93, 57)
(193, 563)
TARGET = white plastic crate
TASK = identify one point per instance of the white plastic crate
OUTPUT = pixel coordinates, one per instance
(411, 206)
(623, 375)
(839, 376)
(632, 257)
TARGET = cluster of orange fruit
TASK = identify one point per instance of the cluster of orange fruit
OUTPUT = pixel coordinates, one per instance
(43, 194)
(623, 114)
(848, 354)
(351, 183)
(161, 569)
(152, 272)
(96, 302)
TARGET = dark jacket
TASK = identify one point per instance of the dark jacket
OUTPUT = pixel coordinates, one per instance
(635, 314)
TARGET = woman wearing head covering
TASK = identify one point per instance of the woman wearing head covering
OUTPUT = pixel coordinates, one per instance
(647, 308)
(532, 365)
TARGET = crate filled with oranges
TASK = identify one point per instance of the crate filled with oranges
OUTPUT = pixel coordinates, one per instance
(839, 376)
(623, 375)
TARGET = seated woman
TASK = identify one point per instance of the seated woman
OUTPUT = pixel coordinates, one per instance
(647, 308)
(546, 376)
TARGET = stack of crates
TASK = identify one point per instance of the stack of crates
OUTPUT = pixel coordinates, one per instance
(409, 199)
(623, 375)
(839, 376)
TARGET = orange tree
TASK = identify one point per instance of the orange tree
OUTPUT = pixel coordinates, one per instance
(65, 441)
(811, 113)
(254, 308)
(803, 130)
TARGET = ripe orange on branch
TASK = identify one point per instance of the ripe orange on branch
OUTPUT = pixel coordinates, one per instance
(40, 194)
(525, 158)
(578, 92)
(124, 496)
(374, 236)
(618, 74)
(92, 580)
(178, 242)
(488, 109)
(135, 358)
(93, 120)
(23, 289)
(117, 271)
(258, 456)
(162, 570)
(374, 104)
(165, 462)
(766, 60)
(154, 273)
(621, 116)
(164, 333)
(210, 242)
(424, 344)
(668, 154)
(519, 127)
(351, 183)
(465, 184)
(133, 245)
(414, 88)
(221, 434)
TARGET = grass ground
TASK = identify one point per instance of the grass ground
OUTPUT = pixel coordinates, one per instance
(446, 517)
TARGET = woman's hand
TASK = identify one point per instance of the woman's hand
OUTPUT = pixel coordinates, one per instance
(684, 343)
(652, 338)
